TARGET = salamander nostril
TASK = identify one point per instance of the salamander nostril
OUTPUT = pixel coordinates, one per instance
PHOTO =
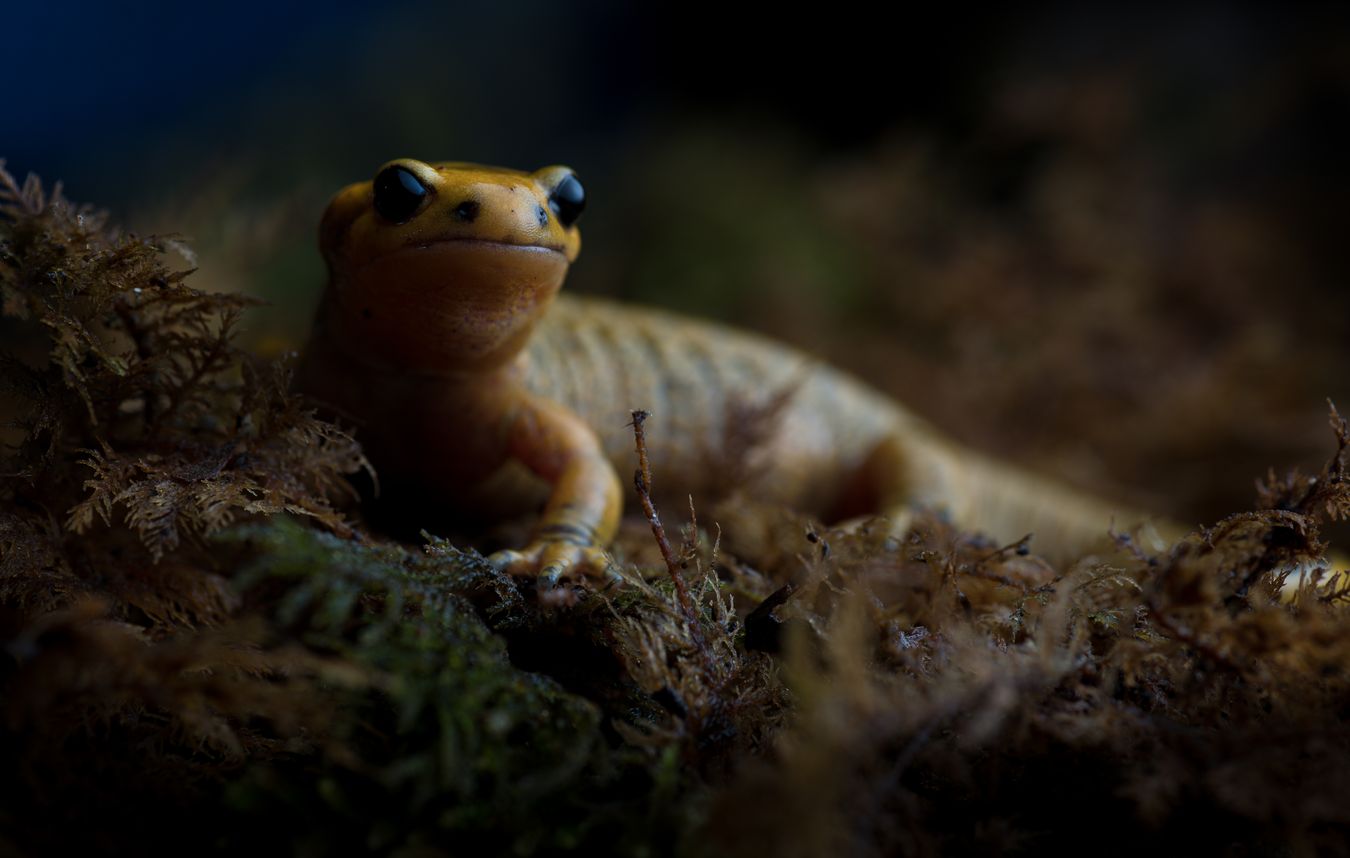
(542, 214)
(467, 211)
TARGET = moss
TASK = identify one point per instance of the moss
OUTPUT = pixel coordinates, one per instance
(446, 743)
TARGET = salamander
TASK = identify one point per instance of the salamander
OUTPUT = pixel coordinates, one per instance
(442, 335)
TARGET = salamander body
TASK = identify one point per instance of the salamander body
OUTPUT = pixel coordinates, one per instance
(441, 335)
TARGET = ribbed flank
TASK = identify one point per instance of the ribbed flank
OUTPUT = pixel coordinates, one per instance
(711, 392)
(703, 385)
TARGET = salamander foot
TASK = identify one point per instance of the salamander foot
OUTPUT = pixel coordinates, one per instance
(554, 561)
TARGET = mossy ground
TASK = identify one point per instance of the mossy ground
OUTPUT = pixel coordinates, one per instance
(207, 650)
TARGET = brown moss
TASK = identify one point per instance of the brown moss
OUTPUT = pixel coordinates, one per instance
(133, 411)
(136, 428)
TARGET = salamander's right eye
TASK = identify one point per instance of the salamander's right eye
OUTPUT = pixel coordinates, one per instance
(398, 194)
(568, 200)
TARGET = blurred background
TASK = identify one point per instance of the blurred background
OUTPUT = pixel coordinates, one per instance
(1104, 242)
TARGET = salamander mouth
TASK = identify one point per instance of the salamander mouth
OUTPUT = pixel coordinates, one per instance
(485, 243)
(426, 260)
(475, 265)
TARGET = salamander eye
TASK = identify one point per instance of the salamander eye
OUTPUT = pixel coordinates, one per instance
(568, 200)
(398, 194)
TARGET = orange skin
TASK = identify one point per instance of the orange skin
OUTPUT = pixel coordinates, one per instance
(439, 334)
(446, 303)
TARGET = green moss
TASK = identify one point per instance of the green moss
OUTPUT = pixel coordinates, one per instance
(448, 743)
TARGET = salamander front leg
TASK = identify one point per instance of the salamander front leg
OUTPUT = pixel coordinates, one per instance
(583, 509)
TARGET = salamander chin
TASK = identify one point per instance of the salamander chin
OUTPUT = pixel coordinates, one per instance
(452, 305)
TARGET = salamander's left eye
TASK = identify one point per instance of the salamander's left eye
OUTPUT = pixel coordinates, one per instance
(398, 194)
(568, 200)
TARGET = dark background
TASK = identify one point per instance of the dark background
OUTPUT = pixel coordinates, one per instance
(1105, 242)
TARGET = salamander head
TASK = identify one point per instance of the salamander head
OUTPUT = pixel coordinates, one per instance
(443, 268)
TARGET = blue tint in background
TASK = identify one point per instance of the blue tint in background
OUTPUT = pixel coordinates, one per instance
(115, 98)
(128, 101)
